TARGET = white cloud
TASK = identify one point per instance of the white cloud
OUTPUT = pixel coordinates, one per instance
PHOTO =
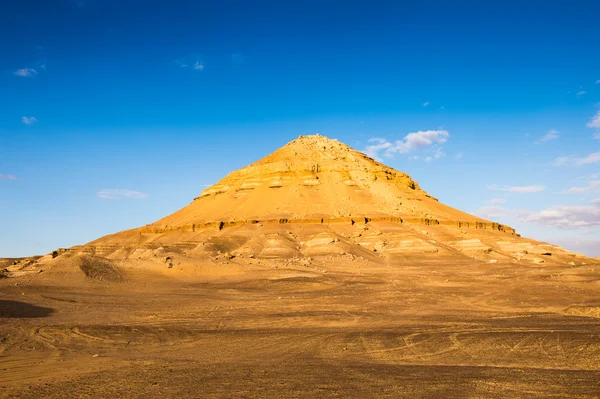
(192, 61)
(459, 155)
(551, 135)
(26, 72)
(494, 212)
(411, 142)
(562, 217)
(587, 246)
(426, 103)
(496, 201)
(589, 159)
(491, 212)
(120, 193)
(517, 189)
(568, 216)
(560, 161)
(592, 158)
(419, 140)
(575, 190)
(428, 159)
(592, 185)
(595, 121)
(7, 177)
(378, 145)
(29, 120)
(581, 93)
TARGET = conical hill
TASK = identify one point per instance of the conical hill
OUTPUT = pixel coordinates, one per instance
(309, 179)
(318, 197)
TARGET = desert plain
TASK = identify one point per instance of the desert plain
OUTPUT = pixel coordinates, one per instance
(316, 272)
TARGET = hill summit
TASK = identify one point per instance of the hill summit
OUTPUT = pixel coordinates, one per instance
(314, 179)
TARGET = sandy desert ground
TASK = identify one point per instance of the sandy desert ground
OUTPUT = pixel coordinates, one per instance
(324, 327)
(315, 272)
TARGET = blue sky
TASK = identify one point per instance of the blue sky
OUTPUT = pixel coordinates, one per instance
(116, 113)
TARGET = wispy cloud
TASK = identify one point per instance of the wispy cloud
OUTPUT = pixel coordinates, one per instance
(496, 201)
(192, 61)
(575, 190)
(551, 135)
(560, 161)
(568, 216)
(426, 103)
(411, 142)
(588, 246)
(563, 217)
(438, 154)
(491, 212)
(517, 189)
(594, 123)
(581, 93)
(593, 176)
(592, 158)
(120, 193)
(460, 155)
(29, 120)
(26, 72)
(589, 159)
(593, 185)
(377, 144)
(7, 177)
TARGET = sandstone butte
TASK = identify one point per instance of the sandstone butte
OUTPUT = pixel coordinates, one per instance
(314, 197)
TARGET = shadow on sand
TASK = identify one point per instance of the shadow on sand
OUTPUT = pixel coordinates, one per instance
(15, 310)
